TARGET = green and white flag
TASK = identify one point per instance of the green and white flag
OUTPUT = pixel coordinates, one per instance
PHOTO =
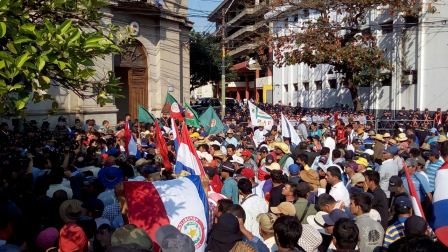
(145, 116)
(172, 107)
(259, 117)
(211, 122)
(191, 117)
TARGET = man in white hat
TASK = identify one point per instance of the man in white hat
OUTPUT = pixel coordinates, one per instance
(259, 134)
(230, 139)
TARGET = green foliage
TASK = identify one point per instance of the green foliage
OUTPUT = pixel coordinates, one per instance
(205, 60)
(48, 43)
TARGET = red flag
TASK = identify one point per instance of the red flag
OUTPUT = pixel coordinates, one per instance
(127, 137)
(162, 147)
(416, 204)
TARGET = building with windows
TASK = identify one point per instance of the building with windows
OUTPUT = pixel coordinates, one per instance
(159, 62)
(243, 22)
(416, 48)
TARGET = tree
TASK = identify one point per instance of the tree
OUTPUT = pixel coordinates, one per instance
(205, 60)
(48, 43)
(339, 42)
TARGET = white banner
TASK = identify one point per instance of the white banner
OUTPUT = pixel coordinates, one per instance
(258, 116)
(289, 131)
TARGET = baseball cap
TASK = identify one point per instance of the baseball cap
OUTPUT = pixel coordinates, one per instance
(394, 183)
(294, 169)
(246, 153)
(392, 150)
(420, 160)
(357, 178)
(433, 130)
(248, 173)
(403, 203)
(285, 208)
(171, 239)
(335, 215)
(362, 161)
(266, 222)
(238, 160)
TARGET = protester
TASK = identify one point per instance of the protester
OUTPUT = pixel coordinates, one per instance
(257, 190)
(371, 233)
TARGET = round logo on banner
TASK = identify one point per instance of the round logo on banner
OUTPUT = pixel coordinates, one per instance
(194, 228)
(189, 114)
(175, 107)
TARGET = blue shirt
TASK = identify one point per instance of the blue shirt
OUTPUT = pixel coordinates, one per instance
(232, 140)
(230, 190)
(431, 171)
(257, 244)
(420, 183)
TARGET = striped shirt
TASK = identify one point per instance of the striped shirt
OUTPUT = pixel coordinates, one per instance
(394, 232)
(431, 171)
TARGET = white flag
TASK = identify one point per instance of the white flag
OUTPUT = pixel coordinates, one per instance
(258, 116)
(289, 131)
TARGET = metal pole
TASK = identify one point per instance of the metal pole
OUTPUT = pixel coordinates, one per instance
(223, 66)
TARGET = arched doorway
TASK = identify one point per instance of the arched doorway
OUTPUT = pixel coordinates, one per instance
(131, 67)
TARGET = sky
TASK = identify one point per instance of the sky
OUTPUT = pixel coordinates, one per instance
(198, 12)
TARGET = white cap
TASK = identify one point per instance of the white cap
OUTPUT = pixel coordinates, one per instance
(236, 159)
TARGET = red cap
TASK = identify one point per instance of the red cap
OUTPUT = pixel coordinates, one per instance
(246, 153)
(248, 173)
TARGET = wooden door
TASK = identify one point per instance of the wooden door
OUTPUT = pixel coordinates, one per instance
(138, 90)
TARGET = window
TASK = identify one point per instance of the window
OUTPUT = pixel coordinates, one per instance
(318, 85)
(296, 87)
(286, 87)
(386, 80)
(333, 83)
(306, 85)
(387, 27)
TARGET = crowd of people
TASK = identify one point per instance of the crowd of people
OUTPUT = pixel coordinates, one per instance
(342, 188)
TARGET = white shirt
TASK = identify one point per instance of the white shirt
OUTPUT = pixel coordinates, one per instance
(56, 187)
(270, 243)
(331, 144)
(340, 193)
(253, 205)
(259, 136)
(387, 169)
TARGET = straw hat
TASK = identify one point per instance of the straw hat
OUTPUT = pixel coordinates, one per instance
(386, 135)
(219, 154)
(401, 137)
(425, 146)
(379, 137)
(442, 138)
(283, 147)
(71, 210)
